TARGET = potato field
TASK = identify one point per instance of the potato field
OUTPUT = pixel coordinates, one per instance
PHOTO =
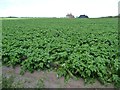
(74, 48)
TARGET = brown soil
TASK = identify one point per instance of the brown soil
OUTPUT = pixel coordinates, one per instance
(49, 78)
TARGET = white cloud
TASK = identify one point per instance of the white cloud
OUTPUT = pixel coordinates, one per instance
(58, 8)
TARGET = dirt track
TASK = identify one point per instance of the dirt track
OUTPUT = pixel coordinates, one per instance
(40, 79)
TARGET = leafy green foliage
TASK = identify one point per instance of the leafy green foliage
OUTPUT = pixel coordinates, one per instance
(86, 48)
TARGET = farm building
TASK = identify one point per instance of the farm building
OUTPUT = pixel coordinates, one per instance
(83, 16)
(69, 16)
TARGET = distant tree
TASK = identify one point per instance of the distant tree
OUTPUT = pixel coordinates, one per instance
(12, 17)
(111, 16)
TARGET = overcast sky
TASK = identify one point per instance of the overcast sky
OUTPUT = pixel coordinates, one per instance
(58, 8)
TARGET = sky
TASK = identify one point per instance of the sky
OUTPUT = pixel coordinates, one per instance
(58, 8)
